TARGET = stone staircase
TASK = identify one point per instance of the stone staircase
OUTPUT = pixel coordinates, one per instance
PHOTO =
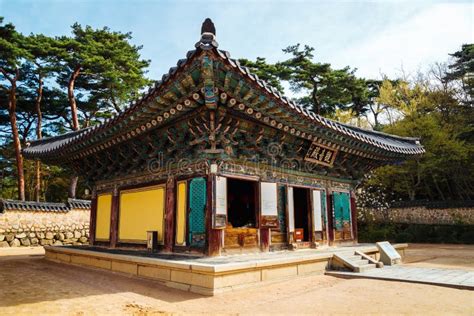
(354, 261)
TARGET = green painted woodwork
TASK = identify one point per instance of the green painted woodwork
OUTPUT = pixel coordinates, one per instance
(282, 208)
(197, 214)
(342, 209)
(323, 209)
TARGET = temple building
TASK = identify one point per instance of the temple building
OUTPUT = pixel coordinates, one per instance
(214, 161)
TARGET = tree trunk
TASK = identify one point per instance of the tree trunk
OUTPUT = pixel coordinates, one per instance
(38, 136)
(73, 187)
(75, 122)
(72, 99)
(16, 137)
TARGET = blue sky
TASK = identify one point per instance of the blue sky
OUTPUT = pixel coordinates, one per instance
(374, 36)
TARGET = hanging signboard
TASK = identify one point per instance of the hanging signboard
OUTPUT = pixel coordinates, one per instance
(321, 154)
(268, 205)
(220, 216)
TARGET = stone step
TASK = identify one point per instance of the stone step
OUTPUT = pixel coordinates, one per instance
(359, 262)
(365, 267)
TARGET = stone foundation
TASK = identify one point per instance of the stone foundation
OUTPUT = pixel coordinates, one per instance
(208, 278)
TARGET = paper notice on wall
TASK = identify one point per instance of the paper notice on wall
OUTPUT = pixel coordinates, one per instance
(221, 195)
(317, 210)
(268, 198)
(291, 210)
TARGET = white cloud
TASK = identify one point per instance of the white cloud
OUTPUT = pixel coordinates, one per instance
(425, 38)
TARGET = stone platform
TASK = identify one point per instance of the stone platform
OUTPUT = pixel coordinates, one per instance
(454, 278)
(209, 275)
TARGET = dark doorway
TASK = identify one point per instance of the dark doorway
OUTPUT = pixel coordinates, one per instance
(241, 199)
(301, 202)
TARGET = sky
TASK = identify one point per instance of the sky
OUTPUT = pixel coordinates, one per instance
(376, 37)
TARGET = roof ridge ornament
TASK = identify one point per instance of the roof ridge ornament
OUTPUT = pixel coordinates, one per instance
(208, 36)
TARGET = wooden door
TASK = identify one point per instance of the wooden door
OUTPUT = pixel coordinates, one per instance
(342, 215)
(197, 215)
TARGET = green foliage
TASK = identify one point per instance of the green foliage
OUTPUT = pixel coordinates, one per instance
(110, 71)
(110, 74)
(416, 233)
(462, 70)
(269, 72)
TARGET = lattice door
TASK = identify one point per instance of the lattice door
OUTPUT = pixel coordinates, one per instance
(342, 211)
(197, 212)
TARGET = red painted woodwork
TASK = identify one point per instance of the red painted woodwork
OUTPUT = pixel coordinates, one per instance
(114, 218)
(169, 215)
(299, 234)
(265, 235)
(93, 217)
(330, 216)
(354, 216)
(214, 237)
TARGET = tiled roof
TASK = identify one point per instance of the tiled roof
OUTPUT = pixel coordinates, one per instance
(14, 205)
(404, 146)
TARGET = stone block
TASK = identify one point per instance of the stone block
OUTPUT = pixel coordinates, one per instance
(198, 279)
(49, 235)
(154, 272)
(63, 257)
(77, 234)
(129, 268)
(101, 263)
(46, 242)
(2, 237)
(34, 241)
(57, 243)
(181, 276)
(10, 237)
(32, 235)
(20, 236)
(237, 279)
(81, 260)
(25, 241)
(15, 243)
(312, 268)
(83, 240)
(279, 273)
(4, 244)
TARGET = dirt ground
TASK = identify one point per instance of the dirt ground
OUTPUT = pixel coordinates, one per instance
(30, 285)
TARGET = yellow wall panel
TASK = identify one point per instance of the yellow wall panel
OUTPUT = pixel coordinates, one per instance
(181, 214)
(102, 222)
(141, 210)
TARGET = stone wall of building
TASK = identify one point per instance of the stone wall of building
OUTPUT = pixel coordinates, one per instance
(39, 228)
(421, 215)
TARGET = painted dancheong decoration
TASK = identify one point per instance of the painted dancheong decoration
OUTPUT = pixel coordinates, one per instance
(215, 160)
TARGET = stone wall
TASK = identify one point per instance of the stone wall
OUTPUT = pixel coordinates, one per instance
(39, 228)
(420, 215)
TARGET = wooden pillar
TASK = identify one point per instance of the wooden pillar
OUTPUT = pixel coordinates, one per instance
(170, 206)
(354, 216)
(265, 238)
(330, 216)
(93, 216)
(214, 236)
(114, 218)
